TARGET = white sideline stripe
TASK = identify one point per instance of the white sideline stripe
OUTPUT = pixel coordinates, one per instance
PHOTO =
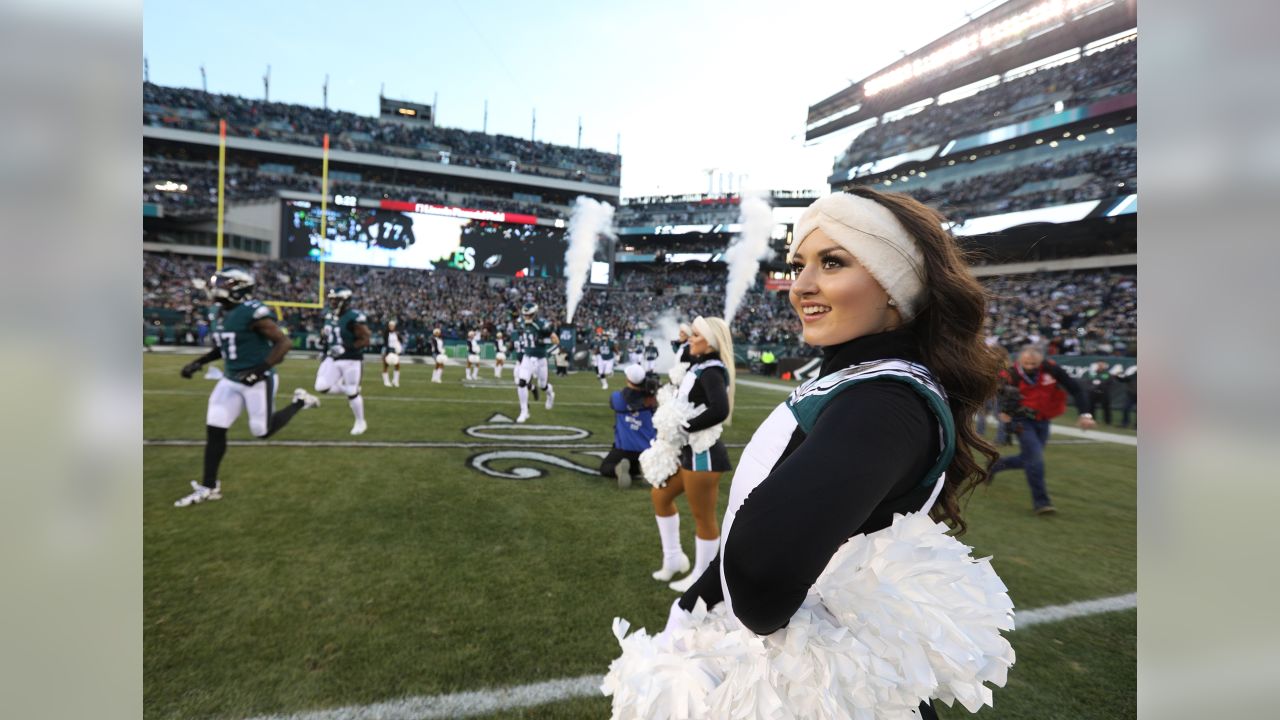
(1116, 438)
(402, 445)
(487, 702)
(604, 401)
(1054, 613)
(459, 705)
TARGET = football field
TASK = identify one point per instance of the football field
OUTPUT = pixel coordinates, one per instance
(448, 550)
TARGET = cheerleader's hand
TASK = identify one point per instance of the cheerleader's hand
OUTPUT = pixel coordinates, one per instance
(678, 621)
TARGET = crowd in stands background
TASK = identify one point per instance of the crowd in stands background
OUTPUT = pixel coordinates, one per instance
(1071, 313)
(1096, 174)
(1102, 74)
(1100, 173)
(246, 181)
(191, 109)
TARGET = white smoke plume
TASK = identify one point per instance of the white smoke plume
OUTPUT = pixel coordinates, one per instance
(587, 222)
(662, 331)
(745, 254)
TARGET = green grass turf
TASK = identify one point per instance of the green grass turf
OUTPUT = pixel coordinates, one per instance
(339, 576)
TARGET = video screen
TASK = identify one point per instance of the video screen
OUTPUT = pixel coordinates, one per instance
(395, 238)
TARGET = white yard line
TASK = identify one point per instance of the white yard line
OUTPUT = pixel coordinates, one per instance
(487, 702)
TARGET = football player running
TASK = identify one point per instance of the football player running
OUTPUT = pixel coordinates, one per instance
(537, 338)
(346, 334)
(250, 344)
(391, 355)
(604, 361)
(650, 355)
(436, 348)
(499, 357)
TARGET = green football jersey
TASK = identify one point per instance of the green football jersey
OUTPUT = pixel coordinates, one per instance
(242, 347)
(536, 338)
(338, 330)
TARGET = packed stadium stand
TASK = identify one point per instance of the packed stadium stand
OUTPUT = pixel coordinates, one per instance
(1082, 312)
(187, 109)
(1029, 150)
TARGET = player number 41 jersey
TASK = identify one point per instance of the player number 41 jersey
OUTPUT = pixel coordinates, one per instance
(338, 330)
(536, 338)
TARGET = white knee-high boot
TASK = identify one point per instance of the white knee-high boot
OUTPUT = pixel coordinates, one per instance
(704, 552)
(674, 561)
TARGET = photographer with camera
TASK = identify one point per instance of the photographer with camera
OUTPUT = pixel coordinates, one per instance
(633, 425)
(1031, 395)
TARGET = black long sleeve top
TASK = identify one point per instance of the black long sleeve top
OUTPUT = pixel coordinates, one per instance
(863, 461)
(711, 389)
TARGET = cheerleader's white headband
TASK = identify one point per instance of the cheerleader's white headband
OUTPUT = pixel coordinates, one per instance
(874, 236)
(704, 329)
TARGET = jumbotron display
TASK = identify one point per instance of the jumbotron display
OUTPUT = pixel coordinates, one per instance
(395, 236)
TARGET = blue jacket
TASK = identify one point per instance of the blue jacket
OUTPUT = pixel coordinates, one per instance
(633, 424)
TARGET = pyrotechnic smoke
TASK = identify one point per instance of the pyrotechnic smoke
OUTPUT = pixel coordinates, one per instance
(663, 330)
(588, 221)
(744, 255)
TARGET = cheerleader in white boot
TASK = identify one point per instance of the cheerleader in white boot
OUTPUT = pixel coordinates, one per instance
(838, 592)
(689, 453)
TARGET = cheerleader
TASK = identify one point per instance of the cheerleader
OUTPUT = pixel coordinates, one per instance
(837, 591)
(500, 355)
(705, 394)
(437, 353)
(473, 355)
(391, 356)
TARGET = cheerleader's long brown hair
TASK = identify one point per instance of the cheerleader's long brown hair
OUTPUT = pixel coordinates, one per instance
(949, 332)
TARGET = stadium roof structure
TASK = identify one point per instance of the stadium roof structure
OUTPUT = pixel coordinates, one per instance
(1009, 36)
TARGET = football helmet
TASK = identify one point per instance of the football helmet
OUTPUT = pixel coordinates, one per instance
(529, 309)
(230, 286)
(340, 298)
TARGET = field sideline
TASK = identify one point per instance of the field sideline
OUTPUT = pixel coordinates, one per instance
(408, 562)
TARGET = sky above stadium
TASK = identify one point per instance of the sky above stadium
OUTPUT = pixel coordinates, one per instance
(690, 86)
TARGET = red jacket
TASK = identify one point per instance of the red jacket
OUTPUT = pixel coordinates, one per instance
(1045, 389)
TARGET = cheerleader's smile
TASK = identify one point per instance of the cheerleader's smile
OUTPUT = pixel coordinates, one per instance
(835, 297)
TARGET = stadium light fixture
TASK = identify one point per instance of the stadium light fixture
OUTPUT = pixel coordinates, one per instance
(997, 34)
(1053, 144)
(1080, 138)
(1039, 141)
(1111, 131)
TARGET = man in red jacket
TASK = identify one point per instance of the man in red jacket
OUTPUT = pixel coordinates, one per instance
(1039, 397)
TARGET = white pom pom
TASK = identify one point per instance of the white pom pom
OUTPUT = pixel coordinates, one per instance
(899, 616)
(702, 440)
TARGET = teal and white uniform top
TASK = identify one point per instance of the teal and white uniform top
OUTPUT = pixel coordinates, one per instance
(606, 351)
(242, 347)
(898, 615)
(338, 330)
(536, 338)
(802, 408)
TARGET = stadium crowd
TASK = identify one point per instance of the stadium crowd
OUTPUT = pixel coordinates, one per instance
(1093, 312)
(1074, 178)
(164, 177)
(190, 109)
(1101, 74)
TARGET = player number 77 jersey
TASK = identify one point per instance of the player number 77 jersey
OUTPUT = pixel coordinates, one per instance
(242, 347)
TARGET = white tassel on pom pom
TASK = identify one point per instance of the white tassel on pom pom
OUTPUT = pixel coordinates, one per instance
(671, 421)
(899, 616)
